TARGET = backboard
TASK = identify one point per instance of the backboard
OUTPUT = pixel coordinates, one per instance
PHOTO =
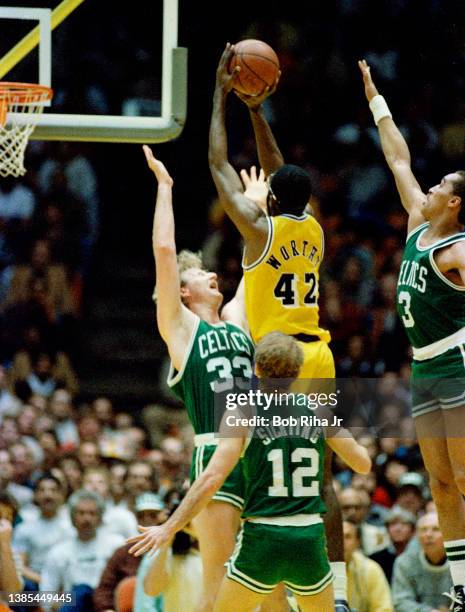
(133, 88)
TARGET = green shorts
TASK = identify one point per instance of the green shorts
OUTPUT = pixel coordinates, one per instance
(266, 555)
(438, 383)
(232, 490)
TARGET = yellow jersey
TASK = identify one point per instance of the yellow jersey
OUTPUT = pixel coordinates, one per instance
(281, 286)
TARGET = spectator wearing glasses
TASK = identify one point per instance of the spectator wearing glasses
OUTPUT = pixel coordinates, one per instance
(355, 505)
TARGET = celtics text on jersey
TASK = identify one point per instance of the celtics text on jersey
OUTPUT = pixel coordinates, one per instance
(217, 355)
(430, 305)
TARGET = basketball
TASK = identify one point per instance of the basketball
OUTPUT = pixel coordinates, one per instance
(259, 66)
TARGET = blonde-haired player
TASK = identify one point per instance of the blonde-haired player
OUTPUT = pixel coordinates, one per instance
(204, 350)
(282, 539)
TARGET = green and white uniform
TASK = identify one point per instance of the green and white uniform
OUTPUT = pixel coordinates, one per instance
(283, 536)
(216, 355)
(432, 309)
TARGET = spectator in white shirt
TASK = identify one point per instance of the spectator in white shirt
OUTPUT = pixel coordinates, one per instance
(34, 538)
(116, 519)
(76, 565)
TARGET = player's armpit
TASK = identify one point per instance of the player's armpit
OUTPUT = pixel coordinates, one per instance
(452, 258)
(177, 333)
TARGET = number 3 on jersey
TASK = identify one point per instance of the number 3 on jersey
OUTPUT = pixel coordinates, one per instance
(286, 290)
(229, 373)
(404, 300)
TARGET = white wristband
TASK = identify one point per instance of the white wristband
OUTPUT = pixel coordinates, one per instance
(379, 108)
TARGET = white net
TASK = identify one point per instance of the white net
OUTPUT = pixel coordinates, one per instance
(20, 107)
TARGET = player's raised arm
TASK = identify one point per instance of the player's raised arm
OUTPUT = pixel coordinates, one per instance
(269, 154)
(175, 322)
(224, 459)
(228, 184)
(395, 150)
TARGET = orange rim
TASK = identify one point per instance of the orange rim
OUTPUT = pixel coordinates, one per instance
(24, 93)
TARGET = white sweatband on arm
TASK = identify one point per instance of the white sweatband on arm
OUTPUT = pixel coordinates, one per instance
(379, 108)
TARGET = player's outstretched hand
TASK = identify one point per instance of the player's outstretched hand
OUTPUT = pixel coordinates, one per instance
(157, 167)
(370, 89)
(224, 79)
(254, 102)
(255, 188)
(151, 538)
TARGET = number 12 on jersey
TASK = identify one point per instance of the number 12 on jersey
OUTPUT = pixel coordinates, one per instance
(286, 290)
(278, 489)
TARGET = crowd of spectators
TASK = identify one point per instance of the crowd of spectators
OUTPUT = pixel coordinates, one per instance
(76, 478)
(49, 223)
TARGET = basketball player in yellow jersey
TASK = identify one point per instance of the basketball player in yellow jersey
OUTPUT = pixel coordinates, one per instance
(283, 280)
(283, 253)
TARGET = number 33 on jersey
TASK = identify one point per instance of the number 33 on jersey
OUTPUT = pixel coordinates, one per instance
(281, 287)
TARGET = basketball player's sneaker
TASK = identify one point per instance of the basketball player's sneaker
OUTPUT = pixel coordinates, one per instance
(341, 605)
(457, 595)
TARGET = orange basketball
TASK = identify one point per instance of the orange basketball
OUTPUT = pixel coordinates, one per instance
(259, 66)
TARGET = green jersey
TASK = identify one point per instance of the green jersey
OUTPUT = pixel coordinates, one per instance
(430, 305)
(284, 475)
(216, 355)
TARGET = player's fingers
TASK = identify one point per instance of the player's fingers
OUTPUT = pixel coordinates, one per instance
(253, 173)
(133, 550)
(147, 152)
(227, 53)
(275, 84)
(261, 176)
(244, 97)
(144, 549)
(133, 539)
(140, 548)
(245, 178)
(224, 56)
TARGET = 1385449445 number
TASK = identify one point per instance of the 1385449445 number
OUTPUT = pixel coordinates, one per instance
(38, 598)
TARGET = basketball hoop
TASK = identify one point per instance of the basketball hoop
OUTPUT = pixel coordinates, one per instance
(26, 100)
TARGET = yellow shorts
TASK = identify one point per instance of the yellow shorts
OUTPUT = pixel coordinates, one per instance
(318, 360)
